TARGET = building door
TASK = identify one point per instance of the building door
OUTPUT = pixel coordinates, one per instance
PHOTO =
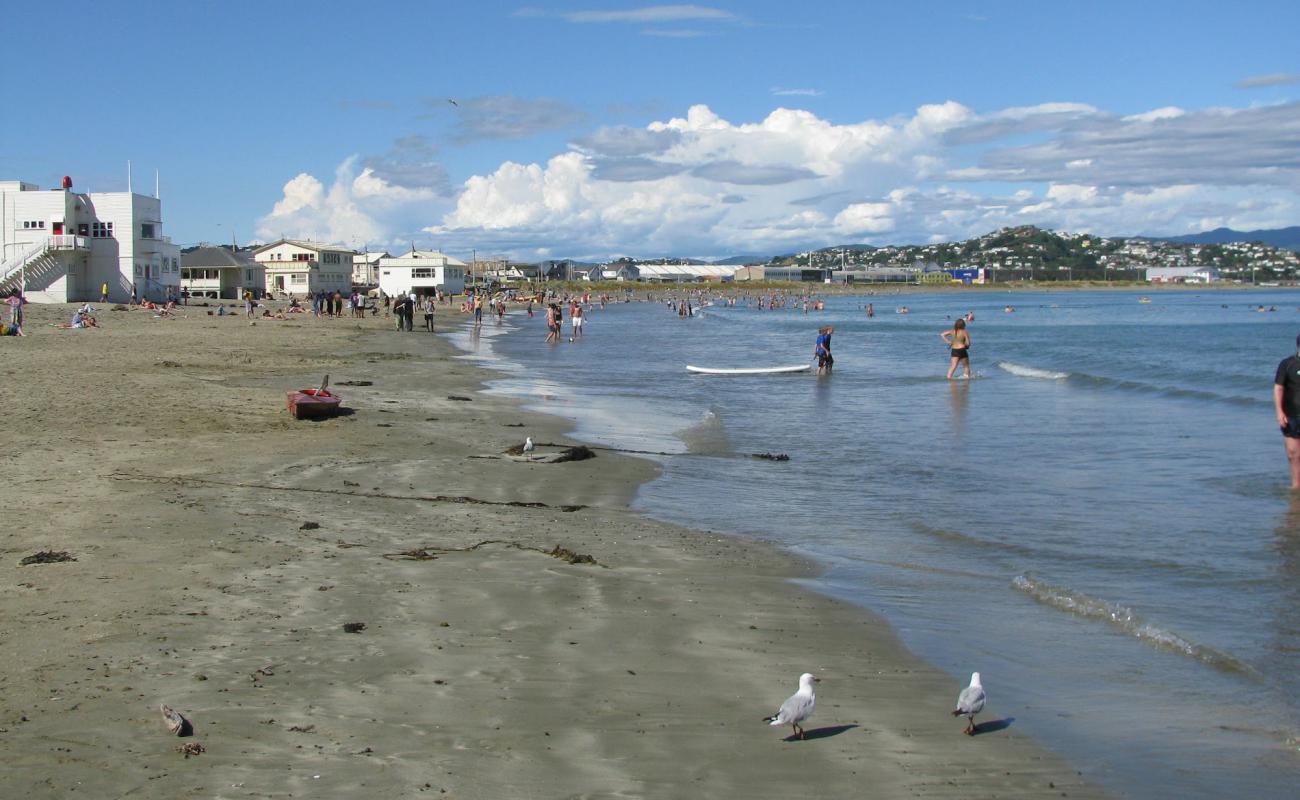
(57, 228)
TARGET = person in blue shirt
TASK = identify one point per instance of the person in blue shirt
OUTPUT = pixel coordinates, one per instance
(822, 350)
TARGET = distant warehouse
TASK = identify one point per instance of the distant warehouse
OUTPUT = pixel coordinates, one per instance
(1182, 275)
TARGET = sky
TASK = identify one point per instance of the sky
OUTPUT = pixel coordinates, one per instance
(593, 130)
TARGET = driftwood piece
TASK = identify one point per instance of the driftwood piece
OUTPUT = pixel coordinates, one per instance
(181, 480)
(47, 557)
(428, 553)
(177, 725)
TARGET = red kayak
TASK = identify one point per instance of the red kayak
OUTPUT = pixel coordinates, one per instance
(313, 403)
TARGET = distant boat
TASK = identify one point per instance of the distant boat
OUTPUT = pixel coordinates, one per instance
(1144, 299)
(748, 370)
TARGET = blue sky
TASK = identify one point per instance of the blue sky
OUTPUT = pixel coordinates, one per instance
(600, 129)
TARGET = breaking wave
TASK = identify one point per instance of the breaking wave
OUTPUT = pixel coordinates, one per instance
(1128, 621)
(1032, 372)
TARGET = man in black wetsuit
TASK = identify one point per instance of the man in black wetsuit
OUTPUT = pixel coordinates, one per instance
(1286, 401)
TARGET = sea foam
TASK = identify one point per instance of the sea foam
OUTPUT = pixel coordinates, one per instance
(1032, 372)
(1127, 620)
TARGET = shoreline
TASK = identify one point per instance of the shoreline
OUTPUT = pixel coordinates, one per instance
(488, 670)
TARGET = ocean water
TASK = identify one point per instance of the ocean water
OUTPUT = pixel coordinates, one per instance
(1098, 522)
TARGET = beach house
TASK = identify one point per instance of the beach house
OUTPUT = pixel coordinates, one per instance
(365, 268)
(421, 272)
(63, 246)
(221, 273)
(296, 267)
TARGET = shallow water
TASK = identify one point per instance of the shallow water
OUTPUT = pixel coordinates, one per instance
(1098, 522)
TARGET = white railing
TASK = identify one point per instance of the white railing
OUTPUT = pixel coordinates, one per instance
(11, 266)
(68, 242)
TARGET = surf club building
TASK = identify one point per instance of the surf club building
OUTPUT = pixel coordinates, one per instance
(421, 272)
(64, 246)
(296, 267)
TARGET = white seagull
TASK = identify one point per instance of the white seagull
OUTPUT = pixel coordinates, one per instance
(798, 707)
(970, 702)
(528, 444)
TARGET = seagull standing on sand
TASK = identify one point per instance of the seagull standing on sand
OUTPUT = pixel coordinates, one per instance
(528, 444)
(970, 702)
(798, 707)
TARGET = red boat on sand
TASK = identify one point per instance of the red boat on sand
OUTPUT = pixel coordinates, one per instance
(314, 403)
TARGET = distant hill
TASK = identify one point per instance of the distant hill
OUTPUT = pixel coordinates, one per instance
(740, 261)
(1288, 238)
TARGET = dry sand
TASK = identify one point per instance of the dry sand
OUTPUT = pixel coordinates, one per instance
(159, 454)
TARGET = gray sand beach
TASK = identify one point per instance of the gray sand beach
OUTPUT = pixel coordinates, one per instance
(221, 547)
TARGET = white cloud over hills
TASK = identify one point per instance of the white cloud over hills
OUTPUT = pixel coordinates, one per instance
(703, 185)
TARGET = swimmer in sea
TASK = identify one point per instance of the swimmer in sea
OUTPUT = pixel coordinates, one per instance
(959, 341)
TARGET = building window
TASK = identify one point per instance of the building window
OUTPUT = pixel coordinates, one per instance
(298, 277)
(101, 230)
(33, 224)
(146, 230)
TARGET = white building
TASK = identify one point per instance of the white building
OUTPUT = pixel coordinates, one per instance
(65, 246)
(296, 267)
(365, 268)
(421, 272)
(1182, 275)
(682, 273)
(217, 272)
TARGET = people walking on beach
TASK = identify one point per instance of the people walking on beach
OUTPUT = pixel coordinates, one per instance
(1286, 402)
(822, 350)
(958, 340)
(429, 306)
(103, 292)
(248, 304)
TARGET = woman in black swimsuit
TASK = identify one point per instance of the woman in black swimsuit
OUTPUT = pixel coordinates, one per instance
(959, 340)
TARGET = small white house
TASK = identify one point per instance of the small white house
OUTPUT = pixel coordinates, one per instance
(1182, 275)
(217, 272)
(63, 246)
(421, 272)
(296, 267)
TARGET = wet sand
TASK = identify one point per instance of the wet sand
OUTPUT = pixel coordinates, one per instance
(221, 547)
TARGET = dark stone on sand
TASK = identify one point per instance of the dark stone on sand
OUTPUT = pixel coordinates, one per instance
(354, 627)
(309, 526)
(355, 383)
(460, 398)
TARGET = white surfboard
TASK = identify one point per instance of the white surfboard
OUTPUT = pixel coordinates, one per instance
(748, 370)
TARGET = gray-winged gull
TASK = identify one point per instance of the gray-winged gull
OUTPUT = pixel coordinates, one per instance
(970, 702)
(798, 707)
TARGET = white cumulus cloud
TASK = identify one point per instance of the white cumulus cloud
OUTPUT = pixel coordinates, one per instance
(701, 184)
